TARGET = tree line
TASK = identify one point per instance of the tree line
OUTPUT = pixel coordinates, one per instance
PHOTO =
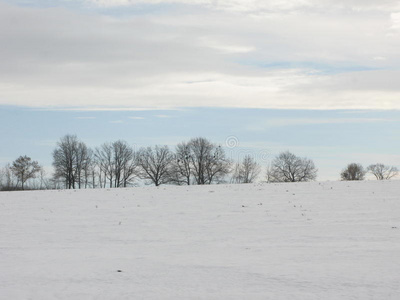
(195, 162)
(117, 164)
(356, 171)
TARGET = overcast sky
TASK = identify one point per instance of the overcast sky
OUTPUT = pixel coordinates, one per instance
(113, 56)
(302, 54)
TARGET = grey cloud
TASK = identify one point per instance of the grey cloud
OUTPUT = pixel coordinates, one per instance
(210, 57)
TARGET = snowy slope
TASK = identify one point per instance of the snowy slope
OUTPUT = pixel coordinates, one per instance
(330, 240)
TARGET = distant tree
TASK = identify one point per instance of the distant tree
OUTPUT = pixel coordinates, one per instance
(25, 168)
(353, 171)
(8, 181)
(64, 160)
(125, 164)
(117, 163)
(155, 164)
(83, 157)
(56, 183)
(88, 169)
(181, 167)
(44, 182)
(383, 172)
(287, 167)
(209, 162)
(2, 176)
(69, 160)
(246, 171)
(104, 160)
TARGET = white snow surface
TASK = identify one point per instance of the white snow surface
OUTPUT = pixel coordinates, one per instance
(328, 240)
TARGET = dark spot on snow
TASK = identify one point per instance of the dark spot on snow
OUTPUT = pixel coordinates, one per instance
(119, 271)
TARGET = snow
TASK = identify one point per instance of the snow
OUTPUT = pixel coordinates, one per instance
(328, 240)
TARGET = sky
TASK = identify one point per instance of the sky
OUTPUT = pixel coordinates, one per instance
(318, 78)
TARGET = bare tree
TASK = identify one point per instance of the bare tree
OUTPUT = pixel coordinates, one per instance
(201, 151)
(125, 163)
(209, 162)
(65, 160)
(2, 176)
(57, 183)
(70, 159)
(181, 168)
(236, 176)
(218, 166)
(8, 181)
(117, 163)
(246, 171)
(44, 182)
(287, 167)
(25, 168)
(83, 158)
(353, 171)
(383, 172)
(88, 169)
(155, 163)
(104, 159)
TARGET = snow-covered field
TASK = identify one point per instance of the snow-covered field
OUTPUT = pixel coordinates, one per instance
(329, 240)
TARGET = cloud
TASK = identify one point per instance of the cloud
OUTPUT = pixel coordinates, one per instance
(228, 53)
(137, 118)
(104, 108)
(261, 5)
(296, 122)
(395, 17)
(225, 48)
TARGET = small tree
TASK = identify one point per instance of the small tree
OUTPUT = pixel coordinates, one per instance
(181, 167)
(25, 168)
(155, 164)
(287, 167)
(44, 182)
(353, 171)
(65, 160)
(117, 162)
(247, 171)
(208, 161)
(7, 178)
(383, 172)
